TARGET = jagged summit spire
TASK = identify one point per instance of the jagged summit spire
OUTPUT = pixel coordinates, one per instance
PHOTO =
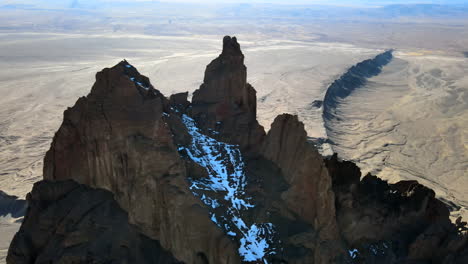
(123, 63)
(231, 46)
(225, 101)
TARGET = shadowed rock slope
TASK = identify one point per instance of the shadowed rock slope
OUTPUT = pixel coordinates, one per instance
(204, 181)
(71, 223)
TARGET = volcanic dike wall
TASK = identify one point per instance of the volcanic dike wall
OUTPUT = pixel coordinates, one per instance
(353, 79)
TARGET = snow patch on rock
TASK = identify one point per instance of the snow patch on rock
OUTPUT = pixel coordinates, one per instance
(226, 178)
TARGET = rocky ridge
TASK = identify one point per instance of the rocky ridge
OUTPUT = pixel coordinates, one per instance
(352, 79)
(201, 182)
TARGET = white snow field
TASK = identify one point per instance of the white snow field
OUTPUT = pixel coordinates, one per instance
(226, 175)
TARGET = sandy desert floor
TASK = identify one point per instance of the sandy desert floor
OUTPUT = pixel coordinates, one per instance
(410, 122)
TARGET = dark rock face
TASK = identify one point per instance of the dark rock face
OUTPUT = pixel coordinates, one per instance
(122, 138)
(71, 223)
(12, 205)
(309, 195)
(393, 223)
(116, 108)
(200, 182)
(225, 101)
(179, 101)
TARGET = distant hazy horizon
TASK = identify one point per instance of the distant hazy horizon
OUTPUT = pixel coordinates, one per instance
(351, 3)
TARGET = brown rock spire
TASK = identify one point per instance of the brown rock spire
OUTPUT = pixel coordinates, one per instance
(225, 102)
(231, 47)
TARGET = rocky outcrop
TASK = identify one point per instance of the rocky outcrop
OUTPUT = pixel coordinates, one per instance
(226, 103)
(393, 223)
(200, 182)
(12, 206)
(71, 223)
(309, 195)
(122, 138)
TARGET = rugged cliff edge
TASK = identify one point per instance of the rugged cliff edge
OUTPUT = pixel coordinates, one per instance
(201, 182)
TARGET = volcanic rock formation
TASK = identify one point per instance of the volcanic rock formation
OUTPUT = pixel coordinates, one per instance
(120, 138)
(393, 223)
(201, 182)
(354, 78)
(71, 223)
(225, 101)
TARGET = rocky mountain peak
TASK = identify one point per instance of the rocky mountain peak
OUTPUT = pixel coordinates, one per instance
(125, 82)
(200, 182)
(225, 102)
(231, 47)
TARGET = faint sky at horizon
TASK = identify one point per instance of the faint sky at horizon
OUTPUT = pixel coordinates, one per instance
(361, 3)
